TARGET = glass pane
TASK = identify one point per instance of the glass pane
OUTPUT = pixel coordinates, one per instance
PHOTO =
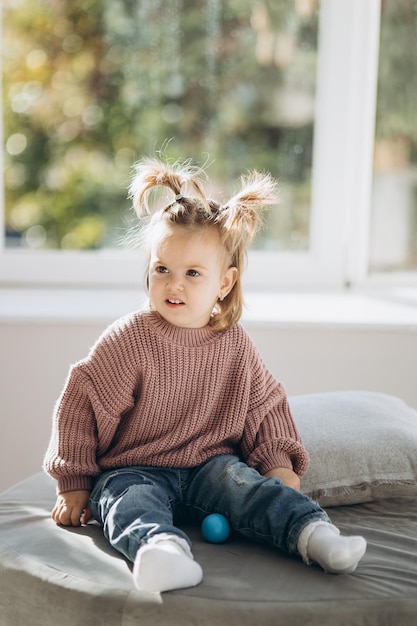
(394, 206)
(90, 86)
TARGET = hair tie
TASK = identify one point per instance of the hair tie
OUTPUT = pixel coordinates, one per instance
(215, 207)
(179, 197)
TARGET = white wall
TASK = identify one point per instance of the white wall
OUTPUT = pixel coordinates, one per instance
(35, 356)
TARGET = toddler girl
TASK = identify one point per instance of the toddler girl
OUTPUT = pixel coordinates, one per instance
(173, 410)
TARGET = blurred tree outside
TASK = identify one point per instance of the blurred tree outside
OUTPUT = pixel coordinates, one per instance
(90, 86)
(394, 212)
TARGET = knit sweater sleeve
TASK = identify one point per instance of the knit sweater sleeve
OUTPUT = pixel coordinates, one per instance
(271, 438)
(98, 391)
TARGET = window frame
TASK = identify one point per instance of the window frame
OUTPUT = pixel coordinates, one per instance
(342, 170)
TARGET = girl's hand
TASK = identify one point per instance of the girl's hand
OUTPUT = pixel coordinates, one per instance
(288, 477)
(71, 508)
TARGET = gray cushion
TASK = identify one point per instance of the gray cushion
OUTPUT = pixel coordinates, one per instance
(50, 575)
(362, 446)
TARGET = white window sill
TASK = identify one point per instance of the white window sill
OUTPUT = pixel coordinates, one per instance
(390, 309)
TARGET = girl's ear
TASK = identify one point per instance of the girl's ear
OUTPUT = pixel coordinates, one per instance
(228, 281)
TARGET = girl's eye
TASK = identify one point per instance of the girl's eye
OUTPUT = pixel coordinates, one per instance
(161, 269)
(193, 273)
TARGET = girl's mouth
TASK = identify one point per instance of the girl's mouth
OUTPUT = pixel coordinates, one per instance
(173, 302)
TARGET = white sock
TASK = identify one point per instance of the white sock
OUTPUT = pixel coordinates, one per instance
(165, 563)
(321, 542)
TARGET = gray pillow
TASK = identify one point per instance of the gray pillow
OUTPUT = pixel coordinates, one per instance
(362, 446)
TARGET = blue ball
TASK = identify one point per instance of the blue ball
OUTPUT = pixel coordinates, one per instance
(215, 528)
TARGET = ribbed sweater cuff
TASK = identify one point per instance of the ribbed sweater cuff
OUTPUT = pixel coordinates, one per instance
(74, 483)
(271, 461)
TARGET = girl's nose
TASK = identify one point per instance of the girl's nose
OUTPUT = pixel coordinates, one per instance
(175, 283)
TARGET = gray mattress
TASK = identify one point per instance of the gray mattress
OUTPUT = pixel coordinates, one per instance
(71, 577)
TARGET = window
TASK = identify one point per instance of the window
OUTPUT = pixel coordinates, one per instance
(393, 245)
(89, 86)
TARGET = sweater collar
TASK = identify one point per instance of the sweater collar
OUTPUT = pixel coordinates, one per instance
(182, 336)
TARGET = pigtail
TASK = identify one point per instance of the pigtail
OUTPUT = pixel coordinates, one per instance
(239, 221)
(242, 215)
(150, 173)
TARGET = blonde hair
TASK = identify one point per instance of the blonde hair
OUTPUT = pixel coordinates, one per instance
(237, 221)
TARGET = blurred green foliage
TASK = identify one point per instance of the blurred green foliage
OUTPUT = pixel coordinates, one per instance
(396, 106)
(89, 86)
(396, 133)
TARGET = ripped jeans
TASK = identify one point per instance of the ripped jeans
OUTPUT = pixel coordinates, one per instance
(135, 503)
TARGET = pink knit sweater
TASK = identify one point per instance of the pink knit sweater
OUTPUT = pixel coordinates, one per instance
(154, 394)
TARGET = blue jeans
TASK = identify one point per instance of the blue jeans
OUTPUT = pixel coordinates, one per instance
(135, 503)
